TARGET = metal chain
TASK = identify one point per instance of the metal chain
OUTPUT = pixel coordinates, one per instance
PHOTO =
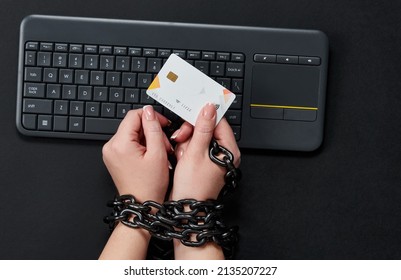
(233, 175)
(172, 219)
(192, 222)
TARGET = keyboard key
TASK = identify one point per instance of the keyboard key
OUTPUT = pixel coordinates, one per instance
(102, 126)
(45, 122)
(76, 124)
(53, 91)
(69, 92)
(287, 59)
(34, 90)
(91, 61)
(60, 123)
(194, 55)
(30, 58)
(225, 82)
(223, 56)
(267, 58)
(208, 55)
(66, 76)
(97, 78)
(234, 69)
(46, 47)
(61, 107)
(29, 121)
(106, 62)
(217, 68)
(131, 95)
(163, 53)
(239, 57)
(135, 51)
(112, 79)
(108, 110)
(144, 80)
(309, 60)
(149, 52)
(158, 108)
(59, 60)
(38, 106)
(237, 132)
(237, 85)
(44, 59)
(75, 61)
(75, 48)
(50, 75)
(122, 63)
(92, 109)
(85, 93)
(90, 49)
(100, 93)
(146, 99)
(105, 50)
(61, 47)
(139, 64)
(122, 110)
(170, 115)
(129, 80)
(202, 66)
(154, 65)
(237, 103)
(31, 45)
(77, 108)
(33, 74)
(116, 94)
(233, 116)
(120, 50)
(82, 77)
(180, 53)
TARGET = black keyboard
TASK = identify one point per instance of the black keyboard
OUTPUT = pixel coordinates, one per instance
(79, 77)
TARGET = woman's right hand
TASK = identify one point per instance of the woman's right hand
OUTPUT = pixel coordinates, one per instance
(196, 176)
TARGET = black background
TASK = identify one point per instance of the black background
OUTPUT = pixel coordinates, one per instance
(340, 202)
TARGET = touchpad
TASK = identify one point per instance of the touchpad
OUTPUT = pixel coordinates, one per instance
(288, 92)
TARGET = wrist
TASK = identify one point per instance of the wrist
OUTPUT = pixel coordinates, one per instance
(194, 192)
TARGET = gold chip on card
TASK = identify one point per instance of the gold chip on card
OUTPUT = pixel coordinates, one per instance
(172, 77)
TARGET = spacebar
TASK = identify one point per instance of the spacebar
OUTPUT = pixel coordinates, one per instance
(103, 126)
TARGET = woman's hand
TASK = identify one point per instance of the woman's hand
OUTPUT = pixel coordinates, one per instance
(196, 176)
(136, 156)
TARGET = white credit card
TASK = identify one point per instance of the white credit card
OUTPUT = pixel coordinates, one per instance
(183, 89)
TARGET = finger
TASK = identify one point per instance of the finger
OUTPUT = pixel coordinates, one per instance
(183, 133)
(224, 132)
(204, 128)
(180, 150)
(130, 128)
(167, 144)
(162, 120)
(153, 132)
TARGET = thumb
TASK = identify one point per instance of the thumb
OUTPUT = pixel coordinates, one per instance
(204, 128)
(153, 132)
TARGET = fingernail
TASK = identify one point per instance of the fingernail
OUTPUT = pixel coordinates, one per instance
(209, 111)
(175, 134)
(172, 149)
(170, 166)
(149, 113)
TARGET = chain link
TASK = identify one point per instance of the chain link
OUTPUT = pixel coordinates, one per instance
(233, 175)
(194, 227)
